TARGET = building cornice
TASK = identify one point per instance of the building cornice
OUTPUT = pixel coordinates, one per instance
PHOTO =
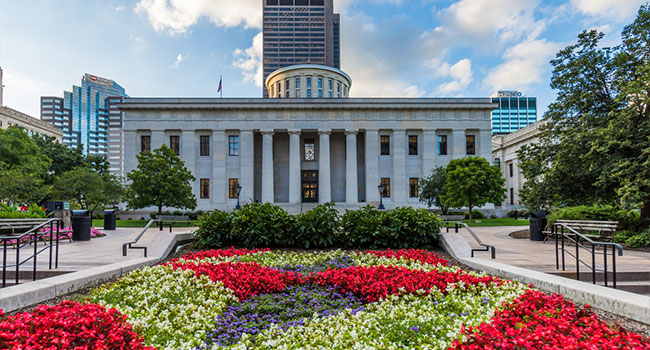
(27, 119)
(305, 104)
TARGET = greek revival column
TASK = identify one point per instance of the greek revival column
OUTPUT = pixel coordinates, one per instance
(268, 194)
(294, 167)
(351, 183)
(372, 166)
(398, 182)
(219, 186)
(247, 156)
(324, 178)
(428, 152)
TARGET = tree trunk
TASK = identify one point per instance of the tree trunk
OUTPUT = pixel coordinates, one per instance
(160, 209)
(645, 216)
(470, 212)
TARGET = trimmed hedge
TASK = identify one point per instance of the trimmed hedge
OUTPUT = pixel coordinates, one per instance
(266, 225)
(627, 219)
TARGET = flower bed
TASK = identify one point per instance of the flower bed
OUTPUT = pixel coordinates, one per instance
(262, 299)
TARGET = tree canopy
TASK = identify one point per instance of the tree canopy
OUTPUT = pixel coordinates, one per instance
(595, 145)
(432, 189)
(161, 180)
(89, 189)
(473, 182)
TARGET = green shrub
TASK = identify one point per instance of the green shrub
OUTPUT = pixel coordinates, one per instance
(622, 236)
(259, 225)
(627, 219)
(411, 228)
(639, 241)
(21, 212)
(318, 227)
(17, 215)
(215, 230)
(363, 228)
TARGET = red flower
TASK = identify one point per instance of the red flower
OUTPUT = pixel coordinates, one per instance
(69, 325)
(216, 253)
(539, 321)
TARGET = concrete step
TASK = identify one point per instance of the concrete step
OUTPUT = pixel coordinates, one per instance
(621, 276)
(638, 287)
(40, 273)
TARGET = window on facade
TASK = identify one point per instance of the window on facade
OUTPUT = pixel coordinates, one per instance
(205, 145)
(233, 145)
(205, 188)
(413, 145)
(384, 145)
(413, 187)
(297, 83)
(308, 93)
(308, 82)
(338, 89)
(175, 143)
(320, 93)
(310, 150)
(232, 188)
(297, 93)
(320, 83)
(510, 169)
(512, 196)
(145, 143)
(330, 94)
(442, 145)
(286, 88)
(470, 144)
(386, 181)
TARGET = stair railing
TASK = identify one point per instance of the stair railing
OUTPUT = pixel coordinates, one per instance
(563, 233)
(129, 245)
(485, 247)
(31, 236)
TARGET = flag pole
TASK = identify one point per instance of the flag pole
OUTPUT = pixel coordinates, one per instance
(221, 86)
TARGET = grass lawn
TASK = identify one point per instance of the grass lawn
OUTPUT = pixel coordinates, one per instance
(136, 223)
(497, 222)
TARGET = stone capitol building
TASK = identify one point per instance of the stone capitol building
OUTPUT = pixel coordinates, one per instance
(307, 144)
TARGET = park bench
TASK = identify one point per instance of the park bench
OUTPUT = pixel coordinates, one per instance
(599, 230)
(449, 220)
(13, 227)
(172, 220)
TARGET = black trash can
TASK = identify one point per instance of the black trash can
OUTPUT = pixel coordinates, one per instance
(109, 220)
(81, 223)
(537, 225)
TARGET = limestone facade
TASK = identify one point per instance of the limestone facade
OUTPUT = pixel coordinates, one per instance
(11, 117)
(298, 152)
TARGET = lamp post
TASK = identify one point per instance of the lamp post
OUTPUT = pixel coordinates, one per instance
(238, 190)
(382, 188)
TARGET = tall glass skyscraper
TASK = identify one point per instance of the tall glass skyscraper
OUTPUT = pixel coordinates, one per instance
(515, 111)
(298, 32)
(88, 115)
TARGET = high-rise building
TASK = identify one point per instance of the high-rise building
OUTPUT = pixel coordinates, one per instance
(300, 31)
(1, 87)
(88, 116)
(515, 111)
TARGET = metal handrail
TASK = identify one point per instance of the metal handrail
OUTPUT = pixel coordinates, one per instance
(35, 234)
(129, 244)
(486, 247)
(558, 231)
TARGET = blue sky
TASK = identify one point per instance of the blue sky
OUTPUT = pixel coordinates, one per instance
(412, 48)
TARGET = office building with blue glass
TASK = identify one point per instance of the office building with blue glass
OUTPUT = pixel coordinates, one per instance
(88, 116)
(515, 111)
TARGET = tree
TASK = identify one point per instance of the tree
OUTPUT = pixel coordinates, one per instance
(432, 189)
(87, 188)
(161, 179)
(63, 158)
(23, 168)
(595, 147)
(473, 182)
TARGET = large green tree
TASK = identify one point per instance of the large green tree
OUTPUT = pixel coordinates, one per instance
(23, 168)
(595, 146)
(473, 182)
(161, 180)
(432, 189)
(63, 158)
(88, 188)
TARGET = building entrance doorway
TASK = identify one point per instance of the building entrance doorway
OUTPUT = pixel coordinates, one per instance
(310, 186)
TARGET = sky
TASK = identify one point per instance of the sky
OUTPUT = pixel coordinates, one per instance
(390, 48)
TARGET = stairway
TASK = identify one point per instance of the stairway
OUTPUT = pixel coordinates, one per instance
(27, 276)
(632, 281)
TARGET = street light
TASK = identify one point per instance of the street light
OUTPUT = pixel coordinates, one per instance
(238, 191)
(382, 188)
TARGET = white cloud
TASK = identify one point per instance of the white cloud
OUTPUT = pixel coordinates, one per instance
(117, 8)
(250, 61)
(176, 16)
(480, 20)
(23, 92)
(617, 10)
(525, 64)
(178, 61)
(460, 72)
(138, 42)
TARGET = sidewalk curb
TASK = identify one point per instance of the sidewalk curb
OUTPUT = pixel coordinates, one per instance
(31, 293)
(634, 306)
